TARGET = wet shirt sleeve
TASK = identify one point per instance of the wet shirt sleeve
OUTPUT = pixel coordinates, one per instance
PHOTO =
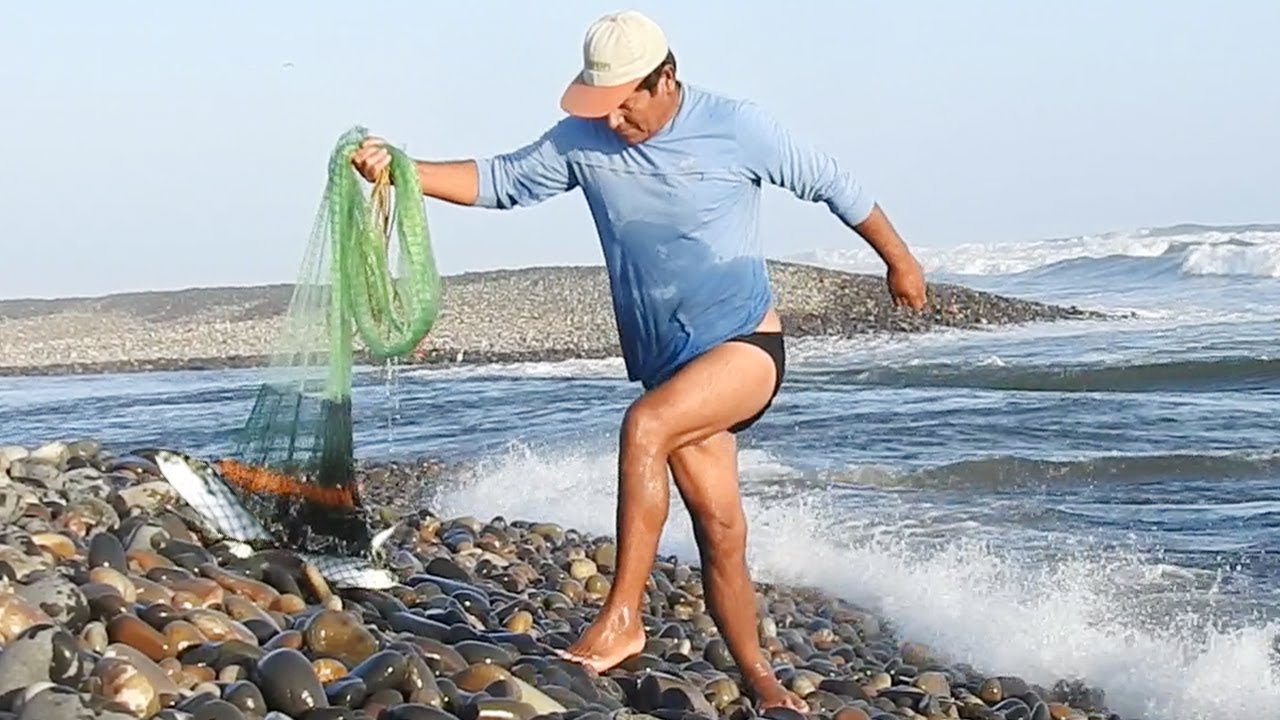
(774, 155)
(527, 176)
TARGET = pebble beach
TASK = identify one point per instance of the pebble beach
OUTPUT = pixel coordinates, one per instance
(111, 606)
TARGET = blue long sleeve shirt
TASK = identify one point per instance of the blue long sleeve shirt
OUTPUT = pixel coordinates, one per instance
(677, 217)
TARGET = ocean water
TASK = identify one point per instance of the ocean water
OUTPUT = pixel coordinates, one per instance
(1096, 500)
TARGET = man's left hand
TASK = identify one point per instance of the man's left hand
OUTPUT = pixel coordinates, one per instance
(906, 284)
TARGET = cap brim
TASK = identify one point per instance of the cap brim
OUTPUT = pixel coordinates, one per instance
(591, 101)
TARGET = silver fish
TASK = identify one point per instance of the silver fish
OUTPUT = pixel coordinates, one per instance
(208, 494)
(358, 572)
(205, 490)
(351, 572)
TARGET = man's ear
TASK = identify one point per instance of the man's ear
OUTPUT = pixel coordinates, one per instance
(668, 79)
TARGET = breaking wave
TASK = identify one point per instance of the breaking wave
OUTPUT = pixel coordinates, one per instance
(1186, 251)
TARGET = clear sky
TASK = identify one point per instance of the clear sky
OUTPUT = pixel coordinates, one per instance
(162, 144)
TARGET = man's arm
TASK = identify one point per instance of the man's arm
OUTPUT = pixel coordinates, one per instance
(775, 156)
(536, 172)
(884, 239)
(456, 182)
(519, 178)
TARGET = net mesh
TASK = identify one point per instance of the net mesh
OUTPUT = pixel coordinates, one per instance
(293, 462)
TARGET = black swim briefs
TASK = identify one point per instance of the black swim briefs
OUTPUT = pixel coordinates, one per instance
(771, 342)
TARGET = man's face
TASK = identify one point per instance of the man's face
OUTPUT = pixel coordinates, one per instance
(644, 112)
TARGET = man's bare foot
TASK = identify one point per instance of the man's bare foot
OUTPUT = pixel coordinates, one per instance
(769, 693)
(611, 638)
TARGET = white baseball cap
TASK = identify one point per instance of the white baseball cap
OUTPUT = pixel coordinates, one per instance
(619, 50)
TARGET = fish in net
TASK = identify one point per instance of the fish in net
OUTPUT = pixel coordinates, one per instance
(290, 479)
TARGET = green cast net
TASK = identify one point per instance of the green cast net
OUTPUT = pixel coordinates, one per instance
(293, 463)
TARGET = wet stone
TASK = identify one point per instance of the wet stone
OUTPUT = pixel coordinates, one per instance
(658, 691)
(237, 653)
(284, 583)
(934, 683)
(721, 692)
(288, 682)
(105, 550)
(149, 496)
(131, 631)
(286, 638)
(1076, 694)
(349, 691)
(1061, 711)
(42, 653)
(217, 710)
(339, 635)
(418, 625)
(328, 670)
(384, 669)
(153, 672)
(995, 689)
(122, 683)
(1013, 709)
(717, 653)
(161, 615)
(849, 712)
(844, 687)
(384, 698)
(335, 713)
(440, 658)
(60, 599)
(474, 651)
(55, 702)
(186, 641)
(35, 470)
(520, 621)
(407, 711)
(246, 697)
(116, 580)
(492, 708)
(566, 697)
(420, 683)
(473, 603)
(447, 569)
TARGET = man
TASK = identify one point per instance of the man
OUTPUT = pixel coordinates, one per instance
(672, 174)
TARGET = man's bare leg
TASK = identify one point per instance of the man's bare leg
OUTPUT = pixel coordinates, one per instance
(707, 396)
(706, 474)
(643, 500)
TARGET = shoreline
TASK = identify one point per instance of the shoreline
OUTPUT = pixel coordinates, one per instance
(500, 316)
(165, 619)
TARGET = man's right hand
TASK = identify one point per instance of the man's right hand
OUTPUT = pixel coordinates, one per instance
(371, 158)
(906, 284)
